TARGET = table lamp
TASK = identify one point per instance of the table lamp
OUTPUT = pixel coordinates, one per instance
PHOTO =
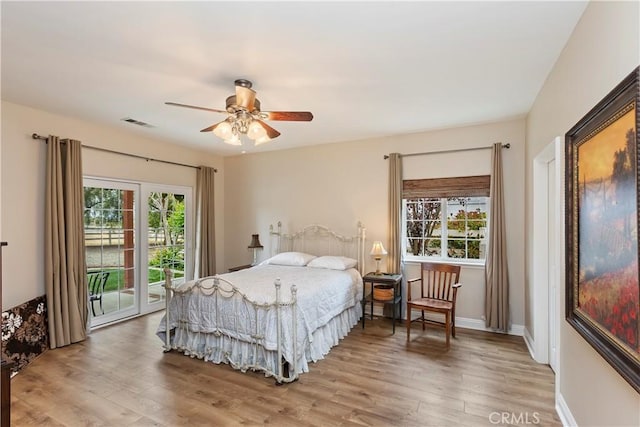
(377, 251)
(255, 245)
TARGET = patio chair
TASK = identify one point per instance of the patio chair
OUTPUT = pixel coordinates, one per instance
(97, 282)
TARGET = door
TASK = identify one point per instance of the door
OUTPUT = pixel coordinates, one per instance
(552, 262)
(111, 248)
(133, 231)
(166, 247)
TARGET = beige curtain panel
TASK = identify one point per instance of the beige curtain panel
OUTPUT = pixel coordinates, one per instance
(394, 252)
(206, 235)
(496, 271)
(65, 263)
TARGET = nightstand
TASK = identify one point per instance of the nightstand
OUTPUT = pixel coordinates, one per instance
(240, 267)
(388, 282)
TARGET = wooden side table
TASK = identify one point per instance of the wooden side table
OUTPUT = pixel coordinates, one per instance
(395, 281)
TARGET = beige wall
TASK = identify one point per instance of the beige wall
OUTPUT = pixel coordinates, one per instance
(338, 185)
(603, 49)
(23, 184)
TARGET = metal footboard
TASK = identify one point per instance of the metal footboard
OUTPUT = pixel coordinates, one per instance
(211, 297)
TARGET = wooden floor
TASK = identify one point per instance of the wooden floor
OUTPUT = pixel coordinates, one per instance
(121, 377)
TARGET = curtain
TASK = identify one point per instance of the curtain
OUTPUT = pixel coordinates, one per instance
(65, 263)
(394, 256)
(395, 262)
(496, 272)
(205, 232)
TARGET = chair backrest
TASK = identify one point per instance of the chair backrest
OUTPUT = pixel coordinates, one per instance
(438, 279)
(97, 281)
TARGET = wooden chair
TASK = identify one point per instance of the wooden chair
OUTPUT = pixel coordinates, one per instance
(439, 287)
(97, 282)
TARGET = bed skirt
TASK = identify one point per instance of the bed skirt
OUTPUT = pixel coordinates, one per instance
(243, 355)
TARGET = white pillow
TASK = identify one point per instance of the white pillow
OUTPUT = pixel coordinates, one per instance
(333, 262)
(298, 259)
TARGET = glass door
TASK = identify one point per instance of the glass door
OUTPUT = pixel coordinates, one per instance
(110, 215)
(165, 231)
(132, 233)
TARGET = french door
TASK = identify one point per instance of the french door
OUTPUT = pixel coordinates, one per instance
(132, 232)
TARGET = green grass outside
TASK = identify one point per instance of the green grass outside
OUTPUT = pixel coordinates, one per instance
(116, 277)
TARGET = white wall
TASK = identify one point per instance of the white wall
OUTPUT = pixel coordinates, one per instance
(603, 49)
(338, 185)
(23, 184)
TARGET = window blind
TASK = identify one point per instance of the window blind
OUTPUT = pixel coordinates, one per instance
(466, 186)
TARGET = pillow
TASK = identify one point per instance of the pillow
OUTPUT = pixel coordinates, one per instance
(298, 259)
(333, 262)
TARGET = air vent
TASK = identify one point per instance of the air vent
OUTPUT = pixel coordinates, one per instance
(136, 122)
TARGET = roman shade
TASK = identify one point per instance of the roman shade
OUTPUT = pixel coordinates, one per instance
(466, 186)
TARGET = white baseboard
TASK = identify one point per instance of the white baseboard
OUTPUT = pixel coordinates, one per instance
(566, 417)
(478, 324)
(530, 343)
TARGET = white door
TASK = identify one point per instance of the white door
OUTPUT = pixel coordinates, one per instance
(552, 261)
(132, 232)
(112, 249)
(166, 216)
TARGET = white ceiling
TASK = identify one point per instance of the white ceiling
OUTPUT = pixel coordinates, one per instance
(364, 69)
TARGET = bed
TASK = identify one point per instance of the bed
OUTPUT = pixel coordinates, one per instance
(275, 317)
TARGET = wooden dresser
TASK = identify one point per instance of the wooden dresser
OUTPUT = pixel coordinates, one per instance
(5, 377)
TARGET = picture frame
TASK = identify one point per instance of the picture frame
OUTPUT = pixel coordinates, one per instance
(601, 226)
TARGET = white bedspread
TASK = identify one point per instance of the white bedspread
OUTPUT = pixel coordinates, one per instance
(322, 294)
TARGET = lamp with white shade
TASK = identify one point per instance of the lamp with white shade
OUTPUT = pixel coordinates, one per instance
(377, 251)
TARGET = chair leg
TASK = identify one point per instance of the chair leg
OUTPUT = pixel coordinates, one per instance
(93, 310)
(453, 323)
(408, 323)
(448, 327)
(423, 328)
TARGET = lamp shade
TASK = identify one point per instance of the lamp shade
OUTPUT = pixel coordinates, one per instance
(377, 249)
(255, 242)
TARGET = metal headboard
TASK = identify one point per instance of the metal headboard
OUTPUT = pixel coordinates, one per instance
(320, 240)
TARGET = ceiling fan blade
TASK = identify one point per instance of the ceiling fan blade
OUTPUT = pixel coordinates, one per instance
(212, 127)
(175, 104)
(271, 132)
(245, 97)
(294, 116)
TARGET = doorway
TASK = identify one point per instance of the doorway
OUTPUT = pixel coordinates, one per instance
(133, 231)
(547, 251)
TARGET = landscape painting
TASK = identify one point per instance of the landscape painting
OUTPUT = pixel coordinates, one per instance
(603, 279)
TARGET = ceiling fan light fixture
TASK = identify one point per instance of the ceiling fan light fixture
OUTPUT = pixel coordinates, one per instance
(223, 130)
(256, 131)
(234, 139)
(244, 117)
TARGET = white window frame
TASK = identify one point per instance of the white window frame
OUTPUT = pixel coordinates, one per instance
(443, 239)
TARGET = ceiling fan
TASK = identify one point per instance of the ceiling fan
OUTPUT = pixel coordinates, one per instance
(244, 117)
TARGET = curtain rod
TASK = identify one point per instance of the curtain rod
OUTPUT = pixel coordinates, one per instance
(507, 145)
(148, 159)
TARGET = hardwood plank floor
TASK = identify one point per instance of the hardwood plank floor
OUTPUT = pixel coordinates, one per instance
(121, 377)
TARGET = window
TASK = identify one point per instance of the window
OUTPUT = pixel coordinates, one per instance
(446, 218)
(452, 227)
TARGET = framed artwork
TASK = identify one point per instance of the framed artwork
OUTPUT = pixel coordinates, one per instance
(601, 200)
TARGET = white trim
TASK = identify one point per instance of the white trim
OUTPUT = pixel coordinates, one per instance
(540, 270)
(530, 342)
(565, 415)
(478, 325)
